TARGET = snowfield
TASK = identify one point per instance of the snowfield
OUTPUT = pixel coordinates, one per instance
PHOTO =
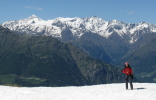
(142, 91)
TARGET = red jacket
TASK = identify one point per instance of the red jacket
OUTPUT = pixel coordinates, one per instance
(127, 71)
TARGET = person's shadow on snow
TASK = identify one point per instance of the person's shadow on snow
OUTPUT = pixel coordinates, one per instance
(140, 88)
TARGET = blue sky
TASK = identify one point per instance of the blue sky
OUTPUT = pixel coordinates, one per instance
(129, 11)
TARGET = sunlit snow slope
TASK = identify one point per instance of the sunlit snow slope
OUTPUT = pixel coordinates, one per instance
(142, 91)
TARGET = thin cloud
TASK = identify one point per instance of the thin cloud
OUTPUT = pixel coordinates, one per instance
(33, 7)
(131, 12)
(39, 8)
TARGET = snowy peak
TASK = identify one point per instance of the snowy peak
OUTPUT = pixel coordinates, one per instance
(32, 16)
(32, 19)
(112, 22)
(66, 19)
(79, 26)
(93, 19)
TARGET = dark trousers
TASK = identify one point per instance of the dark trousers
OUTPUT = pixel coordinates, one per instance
(129, 79)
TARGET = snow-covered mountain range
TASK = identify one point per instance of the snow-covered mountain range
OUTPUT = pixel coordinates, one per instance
(111, 41)
(34, 25)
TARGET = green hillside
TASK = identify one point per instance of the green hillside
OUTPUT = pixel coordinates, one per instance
(45, 61)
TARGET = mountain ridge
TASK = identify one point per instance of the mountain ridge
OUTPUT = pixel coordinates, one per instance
(114, 42)
(78, 27)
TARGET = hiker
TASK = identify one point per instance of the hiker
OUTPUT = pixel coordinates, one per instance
(128, 71)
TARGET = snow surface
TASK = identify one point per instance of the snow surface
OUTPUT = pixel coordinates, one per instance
(142, 91)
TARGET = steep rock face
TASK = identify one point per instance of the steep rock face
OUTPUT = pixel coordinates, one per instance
(43, 60)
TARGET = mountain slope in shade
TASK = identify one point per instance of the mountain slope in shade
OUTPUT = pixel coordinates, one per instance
(142, 91)
(142, 55)
(43, 60)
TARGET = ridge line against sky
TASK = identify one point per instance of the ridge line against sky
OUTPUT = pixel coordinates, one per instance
(128, 11)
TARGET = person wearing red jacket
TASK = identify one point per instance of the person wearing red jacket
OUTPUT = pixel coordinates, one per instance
(128, 71)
